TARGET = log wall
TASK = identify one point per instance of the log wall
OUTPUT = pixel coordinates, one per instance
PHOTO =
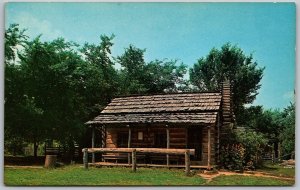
(178, 139)
(205, 145)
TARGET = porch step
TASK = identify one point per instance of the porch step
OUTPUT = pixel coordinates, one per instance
(196, 163)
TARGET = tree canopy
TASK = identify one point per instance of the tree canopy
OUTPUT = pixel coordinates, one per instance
(158, 76)
(287, 135)
(231, 63)
(54, 87)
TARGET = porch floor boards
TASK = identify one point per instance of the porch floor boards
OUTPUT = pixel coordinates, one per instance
(99, 164)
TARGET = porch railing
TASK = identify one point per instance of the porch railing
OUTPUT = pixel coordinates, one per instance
(133, 151)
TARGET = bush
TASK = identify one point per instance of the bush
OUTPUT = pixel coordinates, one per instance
(232, 156)
(242, 150)
(14, 146)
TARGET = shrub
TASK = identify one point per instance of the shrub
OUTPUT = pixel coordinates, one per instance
(242, 150)
(232, 156)
(14, 146)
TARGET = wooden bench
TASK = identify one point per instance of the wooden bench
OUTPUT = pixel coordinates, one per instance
(154, 158)
(115, 157)
(53, 151)
(141, 157)
(122, 157)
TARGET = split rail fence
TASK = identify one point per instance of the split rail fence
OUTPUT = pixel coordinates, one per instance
(186, 152)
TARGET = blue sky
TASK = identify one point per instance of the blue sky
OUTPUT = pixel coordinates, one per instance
(184, 31)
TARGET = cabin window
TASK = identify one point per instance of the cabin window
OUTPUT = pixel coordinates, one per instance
(140, 136)
(122, 140)
(160, 140)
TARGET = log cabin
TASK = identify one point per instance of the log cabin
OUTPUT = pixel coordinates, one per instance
(171, 121)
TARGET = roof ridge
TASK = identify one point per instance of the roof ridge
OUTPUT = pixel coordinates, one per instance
(195, 118)
(162, 112)
(172, 93)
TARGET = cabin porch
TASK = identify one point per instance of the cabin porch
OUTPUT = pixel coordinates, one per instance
(110, 164)
(200, 138)
(132, 152)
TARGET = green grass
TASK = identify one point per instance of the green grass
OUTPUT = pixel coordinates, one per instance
(76, 175)
(116, 176)
(249, 181)
(277, 170)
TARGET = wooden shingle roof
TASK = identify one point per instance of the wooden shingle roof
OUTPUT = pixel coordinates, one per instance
(199, 118)
(163, 108)
(192, 102)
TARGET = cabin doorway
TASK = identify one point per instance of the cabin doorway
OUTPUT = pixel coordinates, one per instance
(195, 142)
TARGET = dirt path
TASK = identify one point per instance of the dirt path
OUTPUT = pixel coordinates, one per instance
(31, 167)
(210, 177)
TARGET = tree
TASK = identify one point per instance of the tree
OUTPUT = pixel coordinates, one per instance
(132, 76)
(14, 37)
(268, 122)
(43, 90)
(158, 76)
(164, 76)
(45, 95)
(287, 135)
(13, 94)
(278, 126)
(265, 121)
(99, 59)
(231, 63)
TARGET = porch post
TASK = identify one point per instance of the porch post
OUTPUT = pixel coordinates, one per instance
(85, 158)
(273, 153)
(168, 144)
(208, 148)
(133, 160)
(103, 140)
(93, 143)
(103, 136)
(187, 162)
(218, 140)
(129, 142)
(279, 151)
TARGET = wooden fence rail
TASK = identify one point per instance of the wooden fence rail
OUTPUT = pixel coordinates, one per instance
(186, 152)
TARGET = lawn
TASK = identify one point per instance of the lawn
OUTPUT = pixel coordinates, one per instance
(276, 169)
(249, 181)
(77, 175)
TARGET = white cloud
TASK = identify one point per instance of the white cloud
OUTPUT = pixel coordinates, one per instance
(117, 66)
(18, 48)
(36, 26)
(289, 95)
(186, 76)
(83, 56)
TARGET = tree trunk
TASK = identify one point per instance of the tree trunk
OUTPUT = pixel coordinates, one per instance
(14, 151)
(35, 148)
(50, 161)
(276, 150)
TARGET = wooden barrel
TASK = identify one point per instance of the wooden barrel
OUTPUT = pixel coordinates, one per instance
(50, 161)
